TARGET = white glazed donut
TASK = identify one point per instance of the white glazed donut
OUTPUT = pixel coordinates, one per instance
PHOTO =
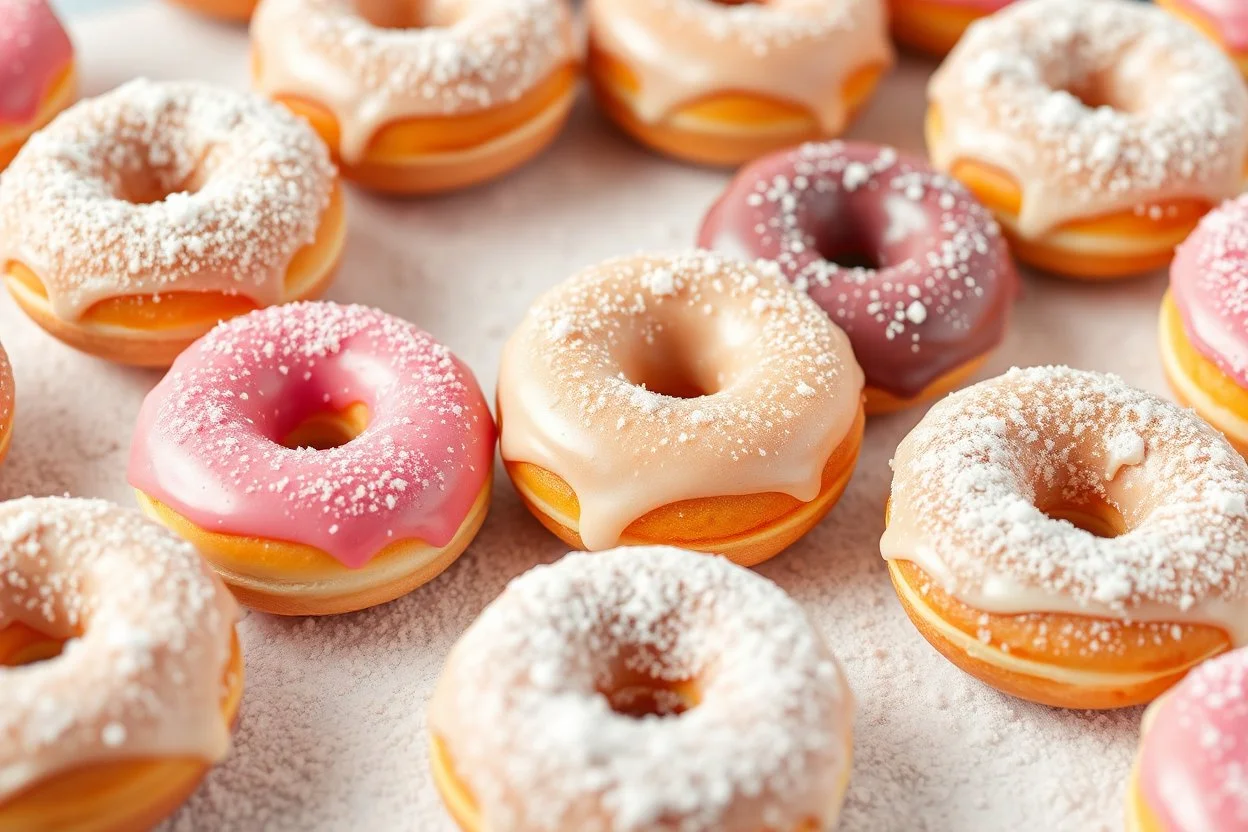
(637, 689)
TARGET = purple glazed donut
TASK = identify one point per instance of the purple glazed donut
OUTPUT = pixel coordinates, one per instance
(931, 296)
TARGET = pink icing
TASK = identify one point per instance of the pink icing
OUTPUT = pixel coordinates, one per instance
(1228, 17)
(207, 439)
(944, 282)
(34, 50)
(1209, 283)
(1193, 764)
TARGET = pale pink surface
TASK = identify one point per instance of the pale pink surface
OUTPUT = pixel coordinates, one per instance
(1209, 281)
(334, 726)
(34, 50)
(207, 440)
(1194, 753)
(1229, 18)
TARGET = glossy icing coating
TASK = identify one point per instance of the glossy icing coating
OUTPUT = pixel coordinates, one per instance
(968, 482)
(941, 293)
(781, 387)
(1193, 760)
(371, 65)
(148, 632)
(34, 53)
(161, 187)
(1209, 284)
(797, 51)
(1168, 117)
(1228, 17)
(207, 442)
(524, 706)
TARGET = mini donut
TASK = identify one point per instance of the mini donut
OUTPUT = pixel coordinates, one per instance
(237, 11)
(691, 400)
(1068, 539)
(1225, 22)
(420, 98)
(37, 77)
(1204, 321)
(1189, 772)
(120, 672)
(137, 220)
(323, 458)
(934, 26)
(932, 301)
(724, 83)
(1098, 131)
(642, 689)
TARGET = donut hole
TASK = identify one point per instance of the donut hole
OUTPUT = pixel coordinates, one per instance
(1092, 514)
(639, 695)
(400, 14)
(21, 645)
(328, 429)
(843, 235)
(1103, 90)
(150, 185)
(670, 366)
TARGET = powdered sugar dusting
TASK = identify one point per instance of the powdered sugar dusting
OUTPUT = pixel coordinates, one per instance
(779, 386)
(938, 297)
(208, 441)
(968, 480)
(239, 186)
(149, 631)
(521, 714)
(1167, 118)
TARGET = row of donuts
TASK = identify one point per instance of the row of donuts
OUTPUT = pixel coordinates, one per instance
(1041, 609)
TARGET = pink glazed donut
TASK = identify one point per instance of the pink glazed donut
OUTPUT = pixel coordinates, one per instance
(932, 296)
(323, 458)
(1191, 772)
(36, 72)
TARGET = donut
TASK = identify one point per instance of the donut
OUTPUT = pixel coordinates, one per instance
(930, 295)
(418, 99)
(137, 220)
(1204, 321)
(1189, 771)
(324, 458)
(7, 399)
(1225, 22)
(237, 11)
(1098, 131)
(120, 672)
(691, 400)
(724, 83)
(37, 77)
(934, 26)
(1068, 539)
(641, 689)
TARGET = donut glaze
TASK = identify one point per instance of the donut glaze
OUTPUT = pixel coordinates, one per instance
(34, 53)
(1229, 18)
(1192, 767)
(208, 440)
(941, 292)
(1209, 284)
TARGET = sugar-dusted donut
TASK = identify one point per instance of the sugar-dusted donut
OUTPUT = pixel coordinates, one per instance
(37, 77)
(642, 689)
(1098, 131)
(934, 26)
(1204, 321)
(1224, 21)
(932, 301)
(419, 98)
(1190, 769)
(324, 458)
(693, 400)
(120, 673)
(1069, 539)
(138, 219)
(7, 403)
(723, 83)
